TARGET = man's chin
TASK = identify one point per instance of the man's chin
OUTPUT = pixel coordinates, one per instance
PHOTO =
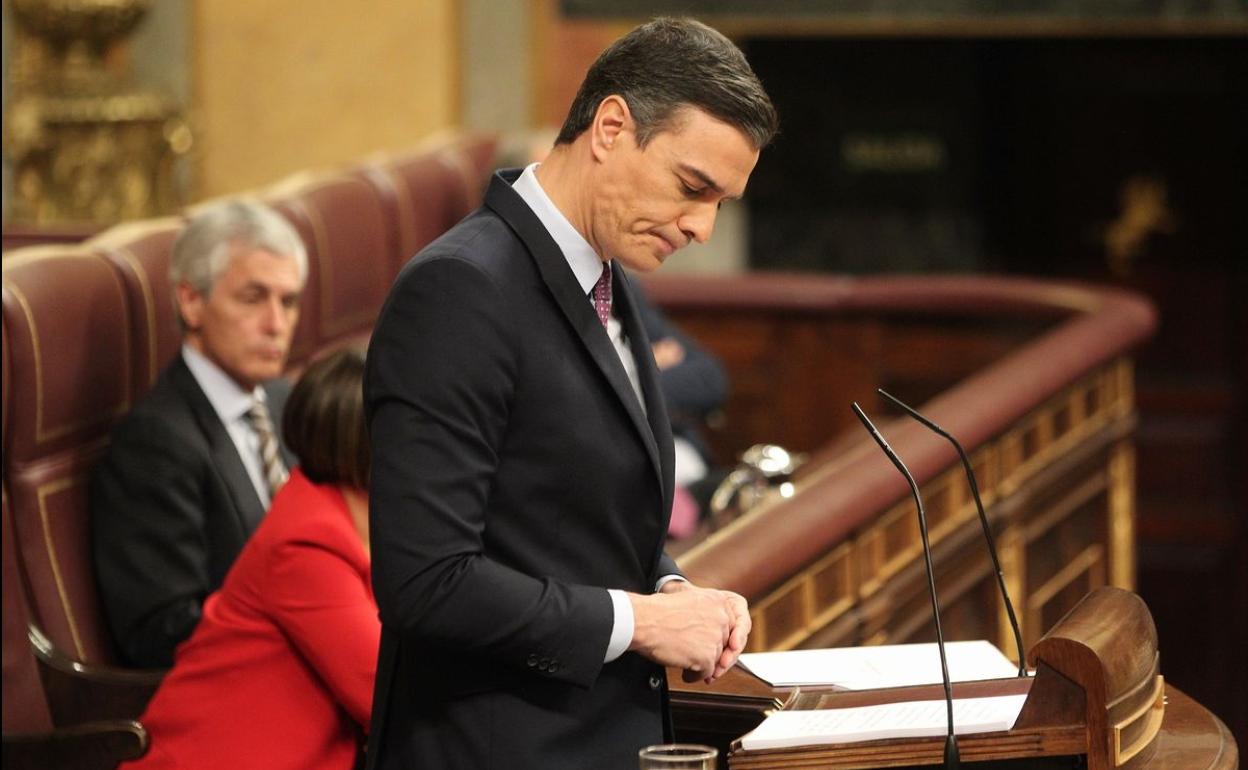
(259, 374)
(643, 263)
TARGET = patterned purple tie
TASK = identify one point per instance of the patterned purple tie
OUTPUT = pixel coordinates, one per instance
(602, 295)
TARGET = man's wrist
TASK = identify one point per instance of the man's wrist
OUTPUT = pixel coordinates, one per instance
(669, 583)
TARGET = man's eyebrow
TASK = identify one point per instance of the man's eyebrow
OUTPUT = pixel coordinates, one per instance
(702, 176)
(258, 285)
(706, 179)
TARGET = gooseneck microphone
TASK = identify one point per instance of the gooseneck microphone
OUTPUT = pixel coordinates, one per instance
(952, 760)
(983, 519)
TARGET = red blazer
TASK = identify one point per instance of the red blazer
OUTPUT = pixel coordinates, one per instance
(279, 672)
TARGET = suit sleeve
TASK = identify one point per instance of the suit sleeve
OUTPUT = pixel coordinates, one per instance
(151, 557)
(668, 566)
(442, 363)
(322, 604)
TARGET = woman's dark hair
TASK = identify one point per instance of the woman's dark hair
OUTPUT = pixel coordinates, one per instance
(323, 421)
(665, 65)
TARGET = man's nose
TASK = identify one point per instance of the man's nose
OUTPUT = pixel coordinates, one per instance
(699, 223)
(277, 317)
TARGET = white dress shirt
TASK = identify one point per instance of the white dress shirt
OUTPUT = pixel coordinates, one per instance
(587, 267)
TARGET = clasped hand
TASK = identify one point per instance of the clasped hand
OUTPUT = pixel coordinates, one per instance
(700, 630)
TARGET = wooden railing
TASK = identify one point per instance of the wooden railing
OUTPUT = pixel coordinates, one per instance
(1035, 380)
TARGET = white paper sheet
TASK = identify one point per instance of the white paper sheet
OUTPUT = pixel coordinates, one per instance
(913, 719)
(864, 668)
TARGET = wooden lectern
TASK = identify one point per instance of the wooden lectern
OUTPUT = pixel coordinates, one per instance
(1097, 700)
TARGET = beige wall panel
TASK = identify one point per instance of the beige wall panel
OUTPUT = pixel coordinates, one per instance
(284, 85)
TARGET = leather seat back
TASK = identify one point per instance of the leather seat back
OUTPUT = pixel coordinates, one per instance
(431, 189)
(72, 369)
(24, 704)
(140, 253)
(350, 235)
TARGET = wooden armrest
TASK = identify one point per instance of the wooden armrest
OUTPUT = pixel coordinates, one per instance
(91, 746)
(80, 692)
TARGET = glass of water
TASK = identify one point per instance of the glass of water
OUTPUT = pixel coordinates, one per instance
(678, 756)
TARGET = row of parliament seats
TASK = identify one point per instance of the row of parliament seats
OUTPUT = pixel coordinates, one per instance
(87, 328)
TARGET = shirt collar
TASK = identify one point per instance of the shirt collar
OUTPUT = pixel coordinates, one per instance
(228, 400)
(585, 263)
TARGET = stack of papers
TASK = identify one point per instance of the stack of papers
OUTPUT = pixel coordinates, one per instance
(867, 668)
(911, 719)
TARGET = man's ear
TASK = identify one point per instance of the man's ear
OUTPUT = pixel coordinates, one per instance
(190, 306)
(613, 123)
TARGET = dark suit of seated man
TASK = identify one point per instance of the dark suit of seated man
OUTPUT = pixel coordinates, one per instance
(190, 471)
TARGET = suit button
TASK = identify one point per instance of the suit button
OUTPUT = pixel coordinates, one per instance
(655, 682)
(543, 664)
(532, 661)
(554, 666)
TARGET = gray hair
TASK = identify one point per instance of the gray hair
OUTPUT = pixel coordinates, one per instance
(665, 65)
(202, 251)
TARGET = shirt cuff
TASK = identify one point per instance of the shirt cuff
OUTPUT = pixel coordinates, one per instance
(665, 580)
(622, 630)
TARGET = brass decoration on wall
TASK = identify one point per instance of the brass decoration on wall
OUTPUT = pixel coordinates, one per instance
(86, 146)
(1145, 210)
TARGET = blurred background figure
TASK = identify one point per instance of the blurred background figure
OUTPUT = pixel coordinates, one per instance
(694, 387)
(279, 673)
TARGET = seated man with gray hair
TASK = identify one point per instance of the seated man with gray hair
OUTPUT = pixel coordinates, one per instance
(191, 470)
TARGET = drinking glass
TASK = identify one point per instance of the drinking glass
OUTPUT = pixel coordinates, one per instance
(678, 756)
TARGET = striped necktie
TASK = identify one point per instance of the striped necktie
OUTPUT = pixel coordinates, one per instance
(275, 473)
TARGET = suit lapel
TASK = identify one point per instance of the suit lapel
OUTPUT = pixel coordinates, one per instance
(575, 306)
(247, 504)
(648, 375)
(656, 408)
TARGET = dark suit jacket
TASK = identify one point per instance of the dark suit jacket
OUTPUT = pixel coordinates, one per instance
(515, 476)
(171, 506)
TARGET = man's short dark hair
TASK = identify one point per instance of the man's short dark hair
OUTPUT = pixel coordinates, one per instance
(323, 421)
(665, 65)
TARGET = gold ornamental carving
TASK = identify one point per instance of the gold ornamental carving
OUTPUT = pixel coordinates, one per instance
(86, 146)
(1145, 211)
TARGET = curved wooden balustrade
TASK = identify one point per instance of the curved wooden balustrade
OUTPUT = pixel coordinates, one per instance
(1034, 379)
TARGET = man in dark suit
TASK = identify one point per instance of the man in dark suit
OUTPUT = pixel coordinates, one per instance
(522, 454)
(190, 471)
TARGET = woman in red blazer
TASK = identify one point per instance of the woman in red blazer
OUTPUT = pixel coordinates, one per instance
(279, 672)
